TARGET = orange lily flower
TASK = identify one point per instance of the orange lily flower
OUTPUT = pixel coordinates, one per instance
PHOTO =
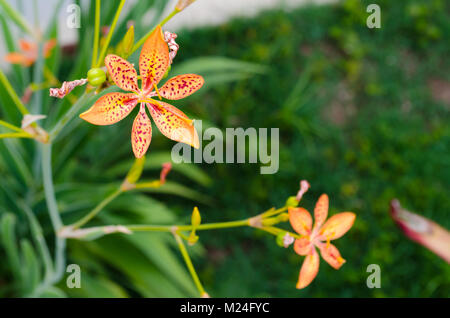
(318, 236)
(29, 52)
(153, 63)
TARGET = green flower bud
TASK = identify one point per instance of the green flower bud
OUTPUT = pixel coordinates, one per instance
(96, 76)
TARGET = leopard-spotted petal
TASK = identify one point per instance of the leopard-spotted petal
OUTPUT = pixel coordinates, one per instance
(110, 108)
(331, 255)
(154, 59)
(173, 123)
(141, 134)
(122, 73)
(181, 86)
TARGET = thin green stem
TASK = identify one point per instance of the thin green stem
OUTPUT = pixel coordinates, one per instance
(12, 93)
(110, 33)
(53, 212)
(97, 209)
(16, 135)
(189, 264)
(96, 32)
(69, 115)
(201, 227)
(142, 40)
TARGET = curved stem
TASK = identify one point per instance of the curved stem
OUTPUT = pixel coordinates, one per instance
(110, 33)
(97, 209)
(69, 115)
(189, 264)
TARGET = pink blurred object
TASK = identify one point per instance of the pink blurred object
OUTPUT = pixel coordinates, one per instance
(422, 230)
(166, 167)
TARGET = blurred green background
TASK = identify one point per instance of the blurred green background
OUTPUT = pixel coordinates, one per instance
(363, 116)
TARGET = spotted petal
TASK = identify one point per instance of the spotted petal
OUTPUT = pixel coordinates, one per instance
(337, 225)
(300, 220)
(309, 270)
(321, 210)
(331, 255)
(154, 59)
(303, 246)
(110, 108)
(181, 86)
(141, 134)
(173, 123)
(122, 73)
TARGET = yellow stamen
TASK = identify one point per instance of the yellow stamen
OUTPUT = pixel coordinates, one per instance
(157, 92)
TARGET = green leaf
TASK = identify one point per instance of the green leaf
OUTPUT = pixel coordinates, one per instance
(31, 266)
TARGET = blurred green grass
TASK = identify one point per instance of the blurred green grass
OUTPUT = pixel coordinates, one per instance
(362, 115)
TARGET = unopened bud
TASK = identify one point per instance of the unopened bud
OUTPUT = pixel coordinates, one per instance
(96, 76)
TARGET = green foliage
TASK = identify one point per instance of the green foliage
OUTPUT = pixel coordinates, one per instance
(358, 118)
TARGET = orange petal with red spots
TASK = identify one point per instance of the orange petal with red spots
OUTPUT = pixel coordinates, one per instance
(303, 246)
(300, 220)
(141, 134)
(337, 225)
(122, 72)
(309, 270)
(110, 108)
(154, 59)
(331, 255)
(181, 86)
(321, 210)
(173, 123)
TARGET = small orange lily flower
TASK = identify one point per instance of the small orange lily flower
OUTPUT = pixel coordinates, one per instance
(29, 52)
(318, 236)
(153, 63)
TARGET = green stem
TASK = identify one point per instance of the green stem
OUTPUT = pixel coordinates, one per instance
(110, 33)
(69, 115)
(201, 227)
(189, 264)
(97, 32)
(20, 106)
(164, 21)
(53, 212)
(97, 209)
(11, 126)
(16, 135)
